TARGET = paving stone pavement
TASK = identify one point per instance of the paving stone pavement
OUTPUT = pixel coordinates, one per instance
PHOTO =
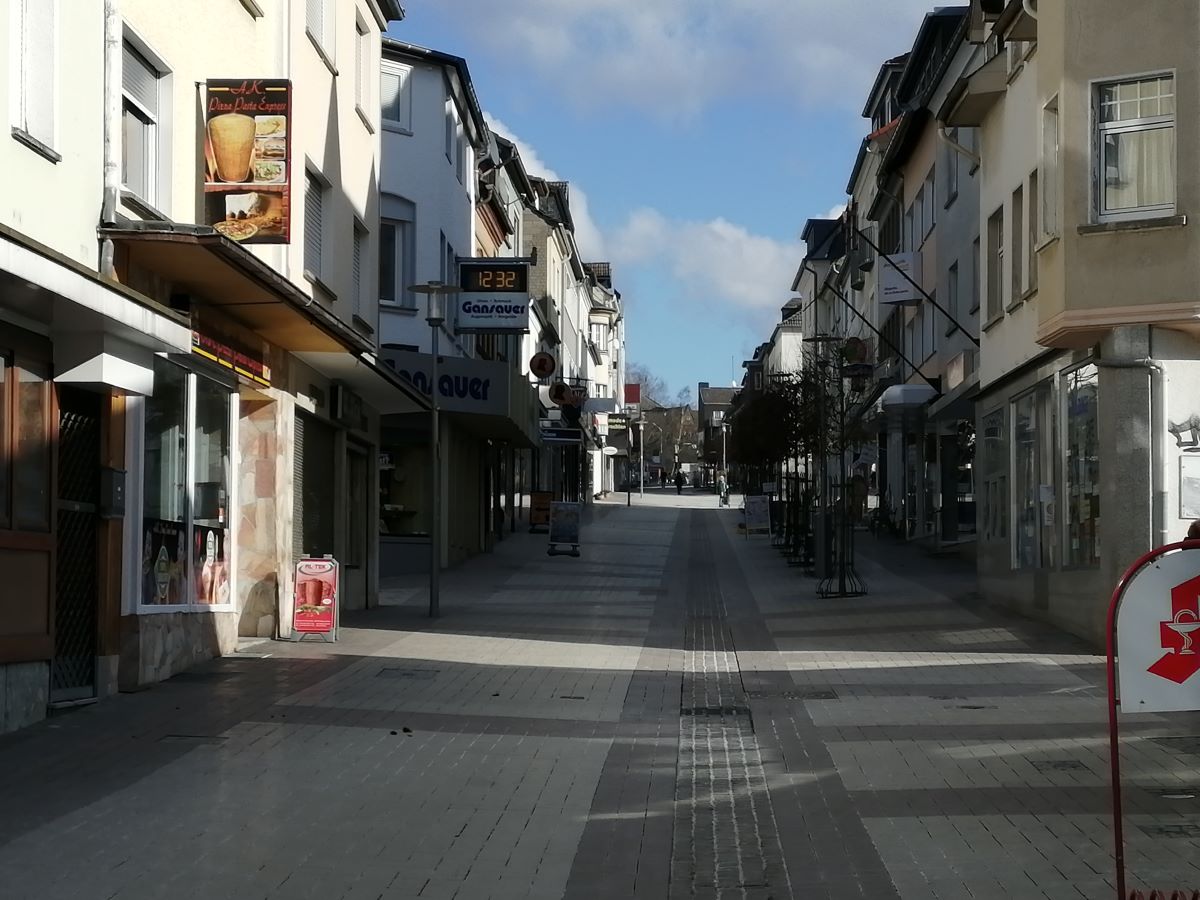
(675, 714)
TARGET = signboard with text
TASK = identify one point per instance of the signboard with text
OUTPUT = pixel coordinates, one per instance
(315, 598)
(494, 298)
(564, 528)
(758, 515)
(247, 159)
(893, 286)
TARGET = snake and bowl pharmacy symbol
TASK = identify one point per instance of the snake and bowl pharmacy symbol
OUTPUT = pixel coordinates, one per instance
(1158, 644)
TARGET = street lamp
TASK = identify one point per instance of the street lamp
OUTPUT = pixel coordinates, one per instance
(435, 293)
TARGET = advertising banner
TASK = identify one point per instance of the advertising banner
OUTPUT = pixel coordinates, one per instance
(758, 515)
(315, 598)
(893, 286)
(564, 527)
(494, 298)
(209, 565)
(247, 159)
(164, 563)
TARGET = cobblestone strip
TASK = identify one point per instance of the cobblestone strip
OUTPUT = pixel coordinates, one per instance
(727, 843)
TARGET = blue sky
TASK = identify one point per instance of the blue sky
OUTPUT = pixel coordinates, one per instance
(698, 135)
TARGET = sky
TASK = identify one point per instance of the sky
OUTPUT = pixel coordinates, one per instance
(697, 135)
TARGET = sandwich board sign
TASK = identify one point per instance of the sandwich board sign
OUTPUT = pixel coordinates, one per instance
(758, 515)
(315, 598)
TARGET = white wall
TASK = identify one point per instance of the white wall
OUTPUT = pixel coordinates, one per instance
(415, 168)
(58, 203)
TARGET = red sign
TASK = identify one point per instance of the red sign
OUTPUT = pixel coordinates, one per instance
(1181, 661)
(633, 394)
(315, 596)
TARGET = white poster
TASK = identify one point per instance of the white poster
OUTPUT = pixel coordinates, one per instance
(893, 286)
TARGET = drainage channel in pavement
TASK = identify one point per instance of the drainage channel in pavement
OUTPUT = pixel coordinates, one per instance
(726, 841)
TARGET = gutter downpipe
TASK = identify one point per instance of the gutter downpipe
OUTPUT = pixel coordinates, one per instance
(1158, 443)
(957, 147)
(112, 130)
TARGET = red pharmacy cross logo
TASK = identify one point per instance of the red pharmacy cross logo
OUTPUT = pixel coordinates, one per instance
(1181, 661)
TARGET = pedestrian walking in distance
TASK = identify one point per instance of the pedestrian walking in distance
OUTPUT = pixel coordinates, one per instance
(679, 482)
(723, 490)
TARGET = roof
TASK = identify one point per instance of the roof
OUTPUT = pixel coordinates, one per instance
(717, 396)
(895, 64)
(393, 48)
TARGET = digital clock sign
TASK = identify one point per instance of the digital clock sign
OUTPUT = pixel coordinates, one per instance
(494, 297)
(496, 278)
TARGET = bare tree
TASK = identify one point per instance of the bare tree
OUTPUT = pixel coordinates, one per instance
(653, 388)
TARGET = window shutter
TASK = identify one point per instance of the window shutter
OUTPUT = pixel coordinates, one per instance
(38, 69)
(298, 490)
(391, 90)
(139, 80)
(356, 267)
(313, 192)
(316, 20)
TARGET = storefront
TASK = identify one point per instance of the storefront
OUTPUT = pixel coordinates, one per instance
(256, 449)
(487, 413)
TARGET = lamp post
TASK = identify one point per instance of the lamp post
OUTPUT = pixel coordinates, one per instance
(435, 292)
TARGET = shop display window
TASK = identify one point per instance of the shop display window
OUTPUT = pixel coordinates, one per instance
(1082, 460)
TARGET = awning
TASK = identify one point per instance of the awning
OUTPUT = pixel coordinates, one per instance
(104, 334)
(974, 95)
(906, 396)
(958, 403)
(197, 260)
(225, 276)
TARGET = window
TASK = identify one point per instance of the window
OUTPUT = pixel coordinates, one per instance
(1032, 238)
(451, 128)
(139, 124)
(994, 463)
(1082, 514)
(358, 254)
(460, 153)
(186, 483)
(995, 264)
(396, 262)
(362, 67)
(1135, 148)
(1033, 479)
(34, 69)
(952, 297)
(1016, 247)
(976, 275)
(908, 240)
(930, 206)
(951, 166)
(395, 86)
(1049, 179)
(314, 201)
(320, 25)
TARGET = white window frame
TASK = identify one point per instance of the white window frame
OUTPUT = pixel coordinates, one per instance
(404, 123)
(1048, 182)
(41, 140)
(1128, 126)
(159, 120)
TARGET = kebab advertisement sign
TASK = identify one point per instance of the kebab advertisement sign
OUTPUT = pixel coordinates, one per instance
(315, 598)
(247, 159)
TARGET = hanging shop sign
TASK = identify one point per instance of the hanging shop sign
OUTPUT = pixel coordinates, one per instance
(564, 528)
(247, 159)
(238, 359)
(893, 286)
(618, 422)
(464, 385)
(315, 598)
(561, 434)
(494, 297)
(543, 365)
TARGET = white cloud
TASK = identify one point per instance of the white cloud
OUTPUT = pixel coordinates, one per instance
(715, 263)
(835, 211)
(587, 234)
(673, 58)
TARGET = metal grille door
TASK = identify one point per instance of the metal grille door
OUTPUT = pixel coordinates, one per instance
(73, 673)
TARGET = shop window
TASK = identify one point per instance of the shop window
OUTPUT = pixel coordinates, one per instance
(313, 488)
(994, 464)
(185, 506)
(1034, 505)
(31, 451)
(1082, 494)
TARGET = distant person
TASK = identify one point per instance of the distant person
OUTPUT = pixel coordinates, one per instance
(679, 482)
(1193, 531)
